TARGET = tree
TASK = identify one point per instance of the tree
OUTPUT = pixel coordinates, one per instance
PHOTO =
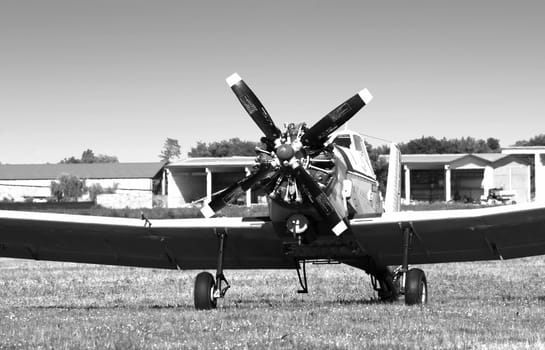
(465, 145)
(67, 188)
(171, 150)
(493, 144)
(224, 148)
(88, 156)
(70, 160)
(96, 189)
(104, 158)
(380, 165)
(431, 145)
(423, 145)
(538, 140)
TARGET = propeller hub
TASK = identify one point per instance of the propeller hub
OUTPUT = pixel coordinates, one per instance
(285, 152)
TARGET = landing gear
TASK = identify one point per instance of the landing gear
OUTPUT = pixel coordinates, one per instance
(411, 282)
(302, 275)
(385, 285)
(203, 294)
(207, 291)
(416, 287)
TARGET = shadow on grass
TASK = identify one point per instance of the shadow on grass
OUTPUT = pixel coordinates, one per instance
(237, 306)
(227, 304)
(111, 307)
(372, 301)
(302, 303)
(509, 298)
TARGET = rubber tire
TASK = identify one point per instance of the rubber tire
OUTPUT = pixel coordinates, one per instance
(203, 294)
(416, 287)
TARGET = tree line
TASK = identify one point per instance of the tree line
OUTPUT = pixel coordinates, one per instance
(88, 156)
(422, 145)
(171, 149)
(431, 145)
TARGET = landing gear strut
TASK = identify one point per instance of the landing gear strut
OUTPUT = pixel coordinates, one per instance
(302, 275)
(412, 282)
(207, 291)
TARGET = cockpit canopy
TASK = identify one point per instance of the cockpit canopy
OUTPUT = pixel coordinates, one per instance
(354, 142)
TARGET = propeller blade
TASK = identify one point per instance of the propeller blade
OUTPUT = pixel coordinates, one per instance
(321, 202)
(253, 106)
(318, 134)
(221, 199)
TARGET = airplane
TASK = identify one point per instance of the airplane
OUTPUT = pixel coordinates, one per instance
(325, 206)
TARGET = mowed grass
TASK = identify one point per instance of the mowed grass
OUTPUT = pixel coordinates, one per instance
(484, 305)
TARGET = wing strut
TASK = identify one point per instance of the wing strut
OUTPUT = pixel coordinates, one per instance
(302, 274)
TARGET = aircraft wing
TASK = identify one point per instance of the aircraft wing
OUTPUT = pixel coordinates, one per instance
(437, 236)
(177, 243)
(455, 235)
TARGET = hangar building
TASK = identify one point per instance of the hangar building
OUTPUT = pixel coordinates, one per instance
(464, 177)
(137, 184)
(426, 177)
(536, 156)
(197, 178)
(469, 177)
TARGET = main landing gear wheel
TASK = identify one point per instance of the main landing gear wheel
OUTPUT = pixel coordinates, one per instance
(416, 287)
(204, 291)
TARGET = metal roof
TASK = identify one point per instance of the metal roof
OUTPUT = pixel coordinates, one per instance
(430, 158)
(84, 171)
(490, 157)
(524, 148)
(528, 150)
(438, 159)
(214, 162)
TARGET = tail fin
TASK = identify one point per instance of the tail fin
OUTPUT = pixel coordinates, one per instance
(392, 203)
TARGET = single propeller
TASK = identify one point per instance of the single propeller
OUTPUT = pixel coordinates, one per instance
(255, 109)
(281, 169)
(318, 134)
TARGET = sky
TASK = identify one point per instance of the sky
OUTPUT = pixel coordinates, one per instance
(121, 76)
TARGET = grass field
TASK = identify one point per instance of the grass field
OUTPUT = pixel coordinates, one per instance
(485, 305)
